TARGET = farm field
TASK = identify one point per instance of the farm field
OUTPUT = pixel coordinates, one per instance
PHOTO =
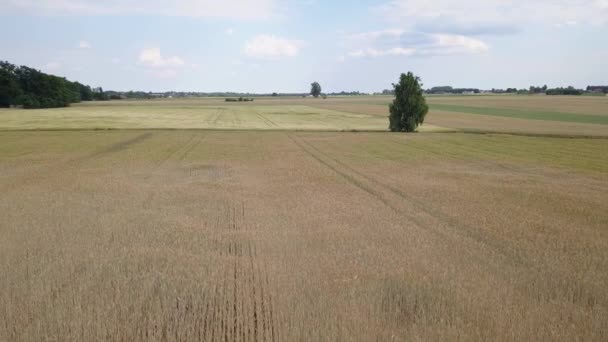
(203, 113)
(545, 115)
(551, 115)
(172, 235)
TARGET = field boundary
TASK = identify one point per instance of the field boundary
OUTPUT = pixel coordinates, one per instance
(287, 130)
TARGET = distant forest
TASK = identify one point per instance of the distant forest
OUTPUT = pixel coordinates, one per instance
(30, 88)
(25, 87)
(591, 90)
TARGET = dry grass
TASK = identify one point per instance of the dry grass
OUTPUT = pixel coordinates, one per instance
(277, 236)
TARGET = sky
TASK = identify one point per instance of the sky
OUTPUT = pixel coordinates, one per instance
(265, 46)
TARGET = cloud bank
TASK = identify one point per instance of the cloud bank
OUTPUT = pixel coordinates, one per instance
(270, 47)
(397, 42)
(491, 16)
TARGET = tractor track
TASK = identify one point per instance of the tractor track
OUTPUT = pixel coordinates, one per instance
(264, 119)
(242, 306)
(46, 172)
(441, 224)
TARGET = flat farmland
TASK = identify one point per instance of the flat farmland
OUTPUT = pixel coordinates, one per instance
(551, 115)
(199, 113)
(153, 235)
(544, 115)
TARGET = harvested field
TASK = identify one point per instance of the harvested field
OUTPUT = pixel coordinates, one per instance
(283, 236)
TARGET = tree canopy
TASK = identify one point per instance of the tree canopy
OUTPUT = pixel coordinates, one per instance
(30, 88)
(564, 91)
(315, 89)
(409, 108)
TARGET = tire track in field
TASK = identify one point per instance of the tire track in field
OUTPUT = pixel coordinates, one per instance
(236, 119)
(264, 119)
(218, 114)
(48, 171)
(180, 153)
(457, 229)
(242, 308)
(117, 147)
(423, 214)
(170, 156)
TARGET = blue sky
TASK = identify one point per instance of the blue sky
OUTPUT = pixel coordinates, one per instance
(284, 45)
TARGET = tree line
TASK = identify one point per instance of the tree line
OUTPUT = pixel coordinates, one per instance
(450, 90)
(531, 90)
(31, 88)
(598, 89)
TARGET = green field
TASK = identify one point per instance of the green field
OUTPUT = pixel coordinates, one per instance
(211, 113)
(552, 115)
(525, 114)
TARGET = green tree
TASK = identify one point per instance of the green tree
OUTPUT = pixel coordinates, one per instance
(315, 89)
(9, 85)
(86, 94)
(409, 107)
(20, 85)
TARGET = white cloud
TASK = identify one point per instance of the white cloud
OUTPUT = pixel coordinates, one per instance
(397, 42)
(230, 31)
(153, 58)
(371, 52)
(373, 35)
(84, 45)
(491, 16)
(231, 9)
(451, 43)
(271, 47)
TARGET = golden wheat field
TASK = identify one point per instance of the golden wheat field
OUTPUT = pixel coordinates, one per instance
(302, 236)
